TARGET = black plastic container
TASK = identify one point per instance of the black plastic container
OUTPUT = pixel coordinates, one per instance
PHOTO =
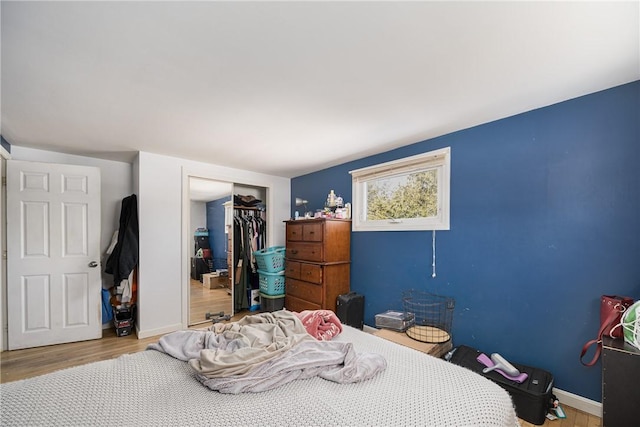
(123, 320)
(531, 398)
(271, 302)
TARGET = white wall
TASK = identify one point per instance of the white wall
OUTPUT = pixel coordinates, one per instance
(198, 213)
(165, 238)
(165, 241)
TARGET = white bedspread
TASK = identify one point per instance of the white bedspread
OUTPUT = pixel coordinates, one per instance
(152, 389)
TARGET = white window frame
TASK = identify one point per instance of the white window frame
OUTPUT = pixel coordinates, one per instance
(437, 159)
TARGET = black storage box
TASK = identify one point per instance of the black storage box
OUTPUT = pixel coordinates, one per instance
(123, 320)
(350, 309)
(271, 302)
(531, 398)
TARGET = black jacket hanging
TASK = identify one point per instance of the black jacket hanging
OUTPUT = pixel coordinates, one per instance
(124, 257)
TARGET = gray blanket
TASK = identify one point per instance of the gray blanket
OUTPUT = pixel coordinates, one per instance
(265, 351)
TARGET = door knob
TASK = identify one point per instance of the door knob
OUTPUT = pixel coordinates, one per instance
(93, 264)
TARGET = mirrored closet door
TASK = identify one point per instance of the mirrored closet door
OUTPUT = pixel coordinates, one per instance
(228, 223)
(210, 288)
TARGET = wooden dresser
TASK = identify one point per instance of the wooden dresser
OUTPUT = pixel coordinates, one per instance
(318, 261)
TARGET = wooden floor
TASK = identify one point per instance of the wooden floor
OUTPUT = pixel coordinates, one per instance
(204, 300)
(20, 364)
(574, 418)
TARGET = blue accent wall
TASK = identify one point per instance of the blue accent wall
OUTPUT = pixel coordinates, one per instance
(545, 218)
(217, 236)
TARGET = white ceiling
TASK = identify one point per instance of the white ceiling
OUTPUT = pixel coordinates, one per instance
(287, 88)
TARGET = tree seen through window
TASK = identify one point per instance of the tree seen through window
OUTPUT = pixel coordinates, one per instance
(412, 195)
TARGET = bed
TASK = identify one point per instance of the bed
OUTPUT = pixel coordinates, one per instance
(154, 388)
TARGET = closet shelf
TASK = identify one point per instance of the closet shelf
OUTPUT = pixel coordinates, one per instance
(247, 208)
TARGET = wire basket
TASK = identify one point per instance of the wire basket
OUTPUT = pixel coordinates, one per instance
(433, 316)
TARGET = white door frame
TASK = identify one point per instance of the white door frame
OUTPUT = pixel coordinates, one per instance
(4, 156)
(187, 237)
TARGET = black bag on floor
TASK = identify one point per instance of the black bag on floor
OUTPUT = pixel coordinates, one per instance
(531, 398)
(350, 309)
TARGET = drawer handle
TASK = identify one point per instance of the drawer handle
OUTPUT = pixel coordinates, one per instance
(294, 251)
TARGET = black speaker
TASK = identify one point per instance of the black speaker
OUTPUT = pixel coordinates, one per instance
(350, 309)
(202, 242)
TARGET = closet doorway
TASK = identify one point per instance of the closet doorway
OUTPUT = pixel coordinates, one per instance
(217, 280)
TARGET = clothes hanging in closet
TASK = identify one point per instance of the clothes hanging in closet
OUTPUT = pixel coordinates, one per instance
(249, 236)
(123, 254)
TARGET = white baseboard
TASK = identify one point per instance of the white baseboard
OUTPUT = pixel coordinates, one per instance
(159, 331)
(581, 403)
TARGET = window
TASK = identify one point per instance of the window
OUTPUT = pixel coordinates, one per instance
(406, 194)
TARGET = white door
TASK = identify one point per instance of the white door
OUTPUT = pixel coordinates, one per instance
(53, 249)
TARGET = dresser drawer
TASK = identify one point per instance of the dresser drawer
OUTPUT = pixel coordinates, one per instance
(292, 303)
(294, 232)
(308, 232)
(303, 271)
(312, 232)
(305, 251)
(292, 269)
(311, 273)
(304, 290)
